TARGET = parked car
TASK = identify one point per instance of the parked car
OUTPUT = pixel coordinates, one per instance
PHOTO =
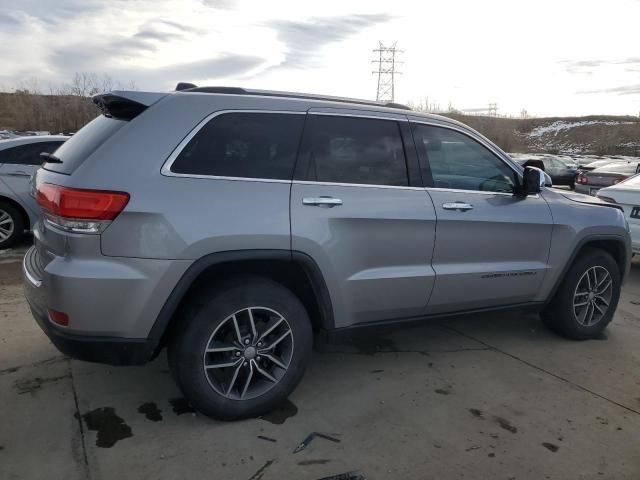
(232, 226)
(611, 174)
(560, 172)
(19, 158)
(627, 195)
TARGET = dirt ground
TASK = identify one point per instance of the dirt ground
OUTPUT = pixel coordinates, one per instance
(483, 397)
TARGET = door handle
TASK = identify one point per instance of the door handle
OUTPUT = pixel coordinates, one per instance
(326, 202)
(459, 206)
(19, 173)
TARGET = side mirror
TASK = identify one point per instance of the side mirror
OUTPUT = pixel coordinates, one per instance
(533, 180)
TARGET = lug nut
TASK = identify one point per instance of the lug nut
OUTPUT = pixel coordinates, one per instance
(259, 344)
(237, 354)
(246, 364)
(246, 341)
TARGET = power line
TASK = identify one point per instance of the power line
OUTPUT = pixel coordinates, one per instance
(386, 72)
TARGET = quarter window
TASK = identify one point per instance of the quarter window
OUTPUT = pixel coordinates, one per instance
(454, 160)
(28, 154)
(354, 150)
(248, 145)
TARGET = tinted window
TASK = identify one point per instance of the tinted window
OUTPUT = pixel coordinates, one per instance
(28, 154)
(250, 145)
(457, 161)
(354, 150)
(80, 146)
(558, 164)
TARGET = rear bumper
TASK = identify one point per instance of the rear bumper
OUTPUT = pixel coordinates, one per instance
(112, 351)
(99, 307)
(585, 189)
(564, 180)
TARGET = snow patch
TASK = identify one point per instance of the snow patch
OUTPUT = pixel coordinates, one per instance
(560, 125)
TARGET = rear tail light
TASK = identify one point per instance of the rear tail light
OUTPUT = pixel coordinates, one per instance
(619, 179)
(582, 179)
(80, 211)
(59, 318)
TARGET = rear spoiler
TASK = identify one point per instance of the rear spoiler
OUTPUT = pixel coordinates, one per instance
(125, 105)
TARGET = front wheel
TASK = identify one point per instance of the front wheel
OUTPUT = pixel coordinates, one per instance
(243, 349)
(587, 298)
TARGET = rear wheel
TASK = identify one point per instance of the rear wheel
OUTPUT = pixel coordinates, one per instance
(587, 298)
(11, 225)
(243, 349)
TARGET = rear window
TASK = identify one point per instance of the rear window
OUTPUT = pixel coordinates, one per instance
(624, 168)
(246, 145)
(354, 150)
(78, 148)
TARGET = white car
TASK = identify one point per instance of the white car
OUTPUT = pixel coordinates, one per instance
(627, 195)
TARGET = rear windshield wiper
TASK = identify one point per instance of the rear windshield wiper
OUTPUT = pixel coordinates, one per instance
(50, 158)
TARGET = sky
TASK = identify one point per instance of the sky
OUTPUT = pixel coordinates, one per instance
(550, 57)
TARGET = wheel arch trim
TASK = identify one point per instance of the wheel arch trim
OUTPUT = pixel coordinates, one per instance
(182, 288)
(584, 242)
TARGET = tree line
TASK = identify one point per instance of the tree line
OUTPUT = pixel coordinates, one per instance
(61, 109)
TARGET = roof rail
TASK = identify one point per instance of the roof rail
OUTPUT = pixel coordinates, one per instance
(271, 93)
(397, 105)
(228, 90)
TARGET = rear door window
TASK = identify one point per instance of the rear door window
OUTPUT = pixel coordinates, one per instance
(243, 145)
(28, 154)
(341, 149)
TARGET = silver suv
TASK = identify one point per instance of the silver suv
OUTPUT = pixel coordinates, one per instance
(232, 226)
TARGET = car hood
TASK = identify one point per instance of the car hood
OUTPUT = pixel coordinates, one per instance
(588, 199)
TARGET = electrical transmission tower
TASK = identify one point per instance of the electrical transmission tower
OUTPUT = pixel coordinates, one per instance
(493, 109)
(386, 63)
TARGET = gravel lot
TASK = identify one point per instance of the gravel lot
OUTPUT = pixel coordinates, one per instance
(484, 397)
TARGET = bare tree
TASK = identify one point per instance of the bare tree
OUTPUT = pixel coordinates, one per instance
(65, 108)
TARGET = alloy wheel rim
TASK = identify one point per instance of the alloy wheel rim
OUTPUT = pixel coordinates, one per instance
(6, 225)
(592, 296)
(248, 353)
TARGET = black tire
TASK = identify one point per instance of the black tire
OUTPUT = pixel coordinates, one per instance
(18, 224)
(186, 350)
(560, 315)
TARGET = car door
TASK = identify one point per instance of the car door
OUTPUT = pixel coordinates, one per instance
(18, 163)
(492, 247)
(359, 211)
